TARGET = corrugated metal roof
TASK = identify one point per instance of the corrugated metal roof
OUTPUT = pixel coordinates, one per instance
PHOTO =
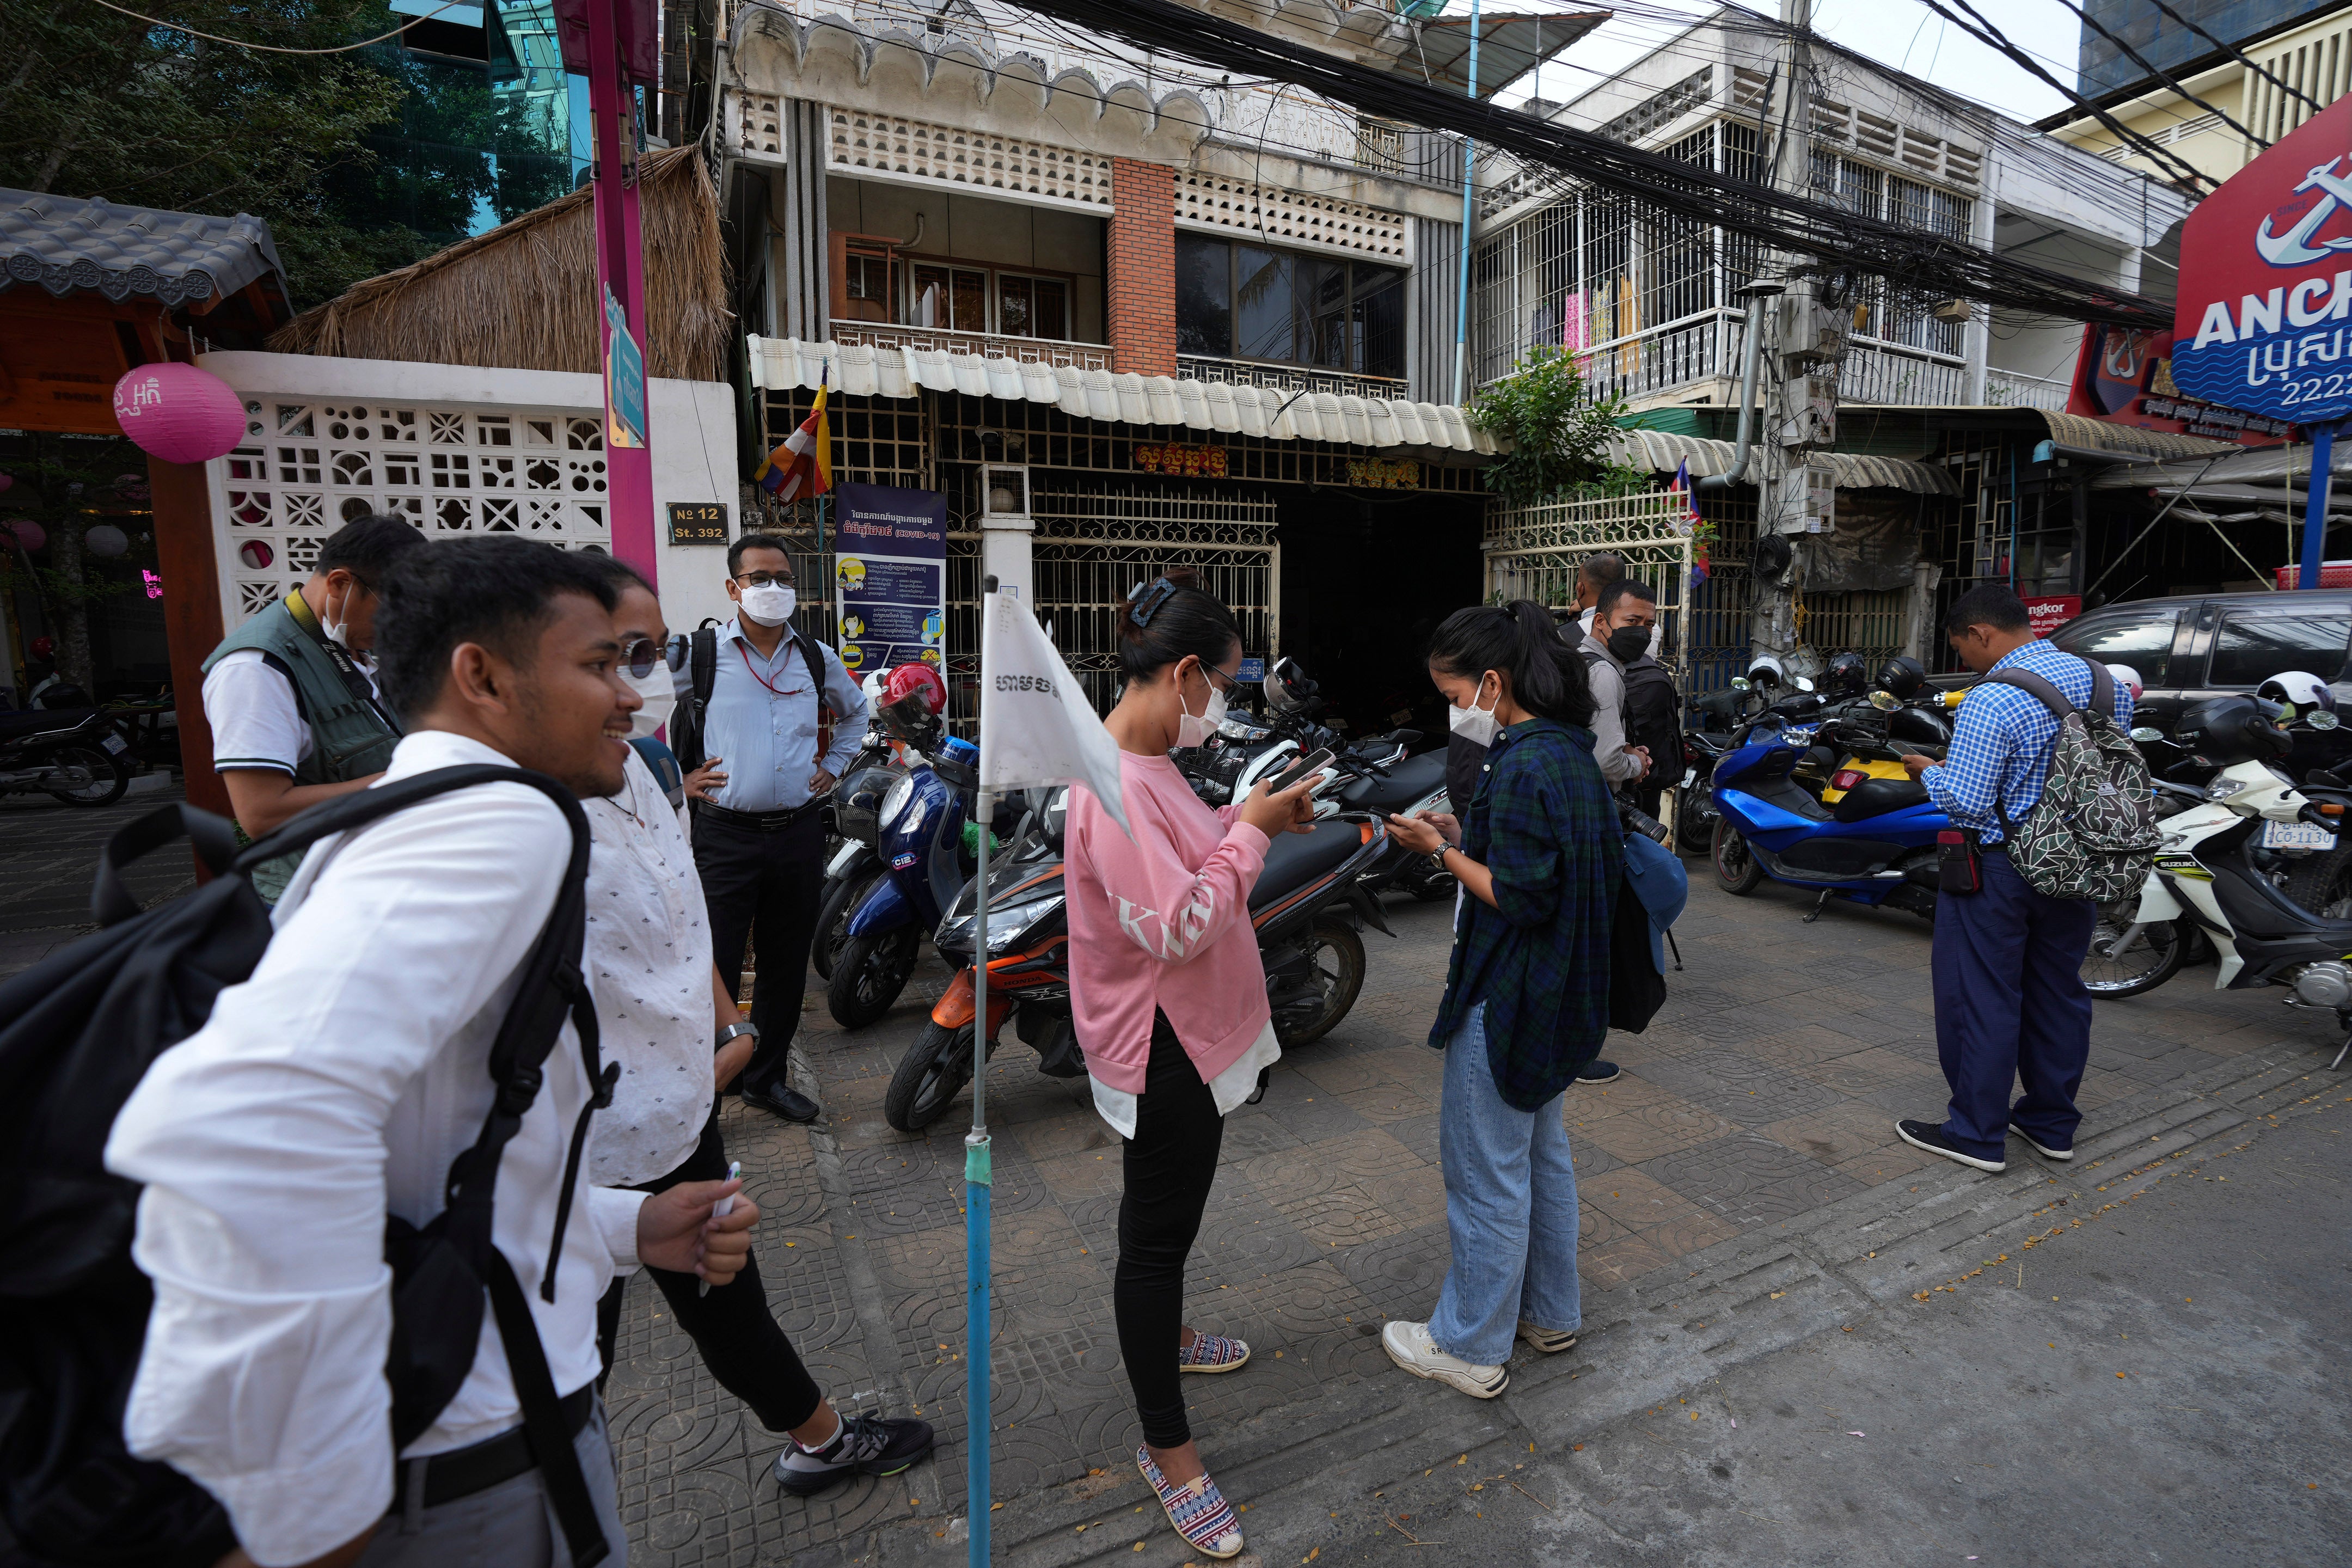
(1663, 451)
(2075, 430)
(1271, 414)
(66, 245)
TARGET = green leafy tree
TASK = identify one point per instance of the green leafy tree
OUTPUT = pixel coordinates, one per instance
(360, 162)
(1558, 434)
(69, 485)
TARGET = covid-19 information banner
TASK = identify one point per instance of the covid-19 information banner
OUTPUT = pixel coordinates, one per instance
(890, 568)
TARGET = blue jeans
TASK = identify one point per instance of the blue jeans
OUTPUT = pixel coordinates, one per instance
(1511, 1210)
(2011, 1007)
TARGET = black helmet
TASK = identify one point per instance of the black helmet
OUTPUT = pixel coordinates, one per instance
(1920, 726)
(1902, 676)
(1847, 676)
(2235, 729)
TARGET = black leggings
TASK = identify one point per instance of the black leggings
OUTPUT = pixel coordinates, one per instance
(740, 1341)
(1171, 1163)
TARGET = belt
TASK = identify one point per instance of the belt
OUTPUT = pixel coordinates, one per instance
(462, 1472)
(760, 821)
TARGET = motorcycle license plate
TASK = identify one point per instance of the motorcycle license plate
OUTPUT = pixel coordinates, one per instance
(843, 858)
(113, 743)
(2297, 836)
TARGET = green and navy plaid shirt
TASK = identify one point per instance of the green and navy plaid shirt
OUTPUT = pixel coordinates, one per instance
(1545, 825)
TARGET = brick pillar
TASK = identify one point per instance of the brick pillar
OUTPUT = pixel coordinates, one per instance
(1140, 292)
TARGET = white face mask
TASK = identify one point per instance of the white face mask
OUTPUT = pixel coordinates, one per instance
(1194, 729)
(1475, 724)
(770, 604)
(335, 629)
(659, 691)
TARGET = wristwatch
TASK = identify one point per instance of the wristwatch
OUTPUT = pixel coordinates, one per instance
(1437, 856)
(734, 1032)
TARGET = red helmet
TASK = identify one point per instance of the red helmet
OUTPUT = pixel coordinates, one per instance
(42, 648)
(913, 695)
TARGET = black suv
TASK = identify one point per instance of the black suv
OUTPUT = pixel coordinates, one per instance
(2216, 645)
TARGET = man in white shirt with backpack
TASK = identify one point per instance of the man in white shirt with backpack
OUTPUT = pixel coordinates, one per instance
(337, 1085)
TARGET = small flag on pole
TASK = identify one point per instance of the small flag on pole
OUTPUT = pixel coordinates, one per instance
(802, 466)
(1688, 520)
(1036, 727)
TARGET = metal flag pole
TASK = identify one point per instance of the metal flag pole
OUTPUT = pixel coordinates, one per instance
(1461, 284)
(977, 1177)
(2315, 514)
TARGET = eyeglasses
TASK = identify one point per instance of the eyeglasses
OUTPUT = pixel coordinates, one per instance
(765, 580)
(642, 655)
(1219, 680)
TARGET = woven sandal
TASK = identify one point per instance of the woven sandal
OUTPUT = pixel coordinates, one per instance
(1213, 1352)
(1197, 1511)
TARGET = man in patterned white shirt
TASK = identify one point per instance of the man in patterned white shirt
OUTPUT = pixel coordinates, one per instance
(663, 1010)
(2010, 1002)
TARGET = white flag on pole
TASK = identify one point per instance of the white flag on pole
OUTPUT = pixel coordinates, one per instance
(1036, 727)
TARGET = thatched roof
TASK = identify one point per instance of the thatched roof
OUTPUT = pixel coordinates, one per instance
(523, 296)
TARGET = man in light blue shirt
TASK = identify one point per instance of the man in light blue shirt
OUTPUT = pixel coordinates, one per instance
(760, 783)
(2010, 1002)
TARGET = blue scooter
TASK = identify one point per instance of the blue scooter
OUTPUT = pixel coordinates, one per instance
(1875, 846)
(920, 832)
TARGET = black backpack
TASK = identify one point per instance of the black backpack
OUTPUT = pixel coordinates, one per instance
(702, 679)
(1654, 719)
(78, 1031)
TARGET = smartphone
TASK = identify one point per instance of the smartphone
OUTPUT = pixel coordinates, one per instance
(1305, 767)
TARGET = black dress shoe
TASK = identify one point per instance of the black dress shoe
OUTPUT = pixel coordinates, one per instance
(789, 1103)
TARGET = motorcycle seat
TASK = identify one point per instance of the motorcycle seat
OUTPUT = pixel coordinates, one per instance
(1877, 797)
(1406, 784)
(27, 721)
(1296, 859)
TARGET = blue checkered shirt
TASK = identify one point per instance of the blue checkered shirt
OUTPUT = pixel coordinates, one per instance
(2003, 740)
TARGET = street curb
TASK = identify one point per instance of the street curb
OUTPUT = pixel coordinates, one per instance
(1643, 1343)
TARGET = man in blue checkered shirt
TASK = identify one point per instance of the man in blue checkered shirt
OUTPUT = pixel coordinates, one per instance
(2010, 1002)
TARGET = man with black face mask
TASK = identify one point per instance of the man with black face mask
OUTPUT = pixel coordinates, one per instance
(1621, 625)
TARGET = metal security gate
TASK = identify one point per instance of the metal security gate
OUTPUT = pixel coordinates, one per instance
(1532, 553)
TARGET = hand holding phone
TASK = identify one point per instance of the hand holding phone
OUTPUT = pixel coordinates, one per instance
(1302, 769)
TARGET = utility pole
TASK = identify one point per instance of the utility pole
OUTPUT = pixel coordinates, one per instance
(1793, 494)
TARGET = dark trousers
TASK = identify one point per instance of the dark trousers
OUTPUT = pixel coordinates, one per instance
(740, 1341)
(766, 886)
(1171, 1163)
(2009, 1006)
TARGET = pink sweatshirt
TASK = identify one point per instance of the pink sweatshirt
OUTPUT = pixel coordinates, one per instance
(1178, 893)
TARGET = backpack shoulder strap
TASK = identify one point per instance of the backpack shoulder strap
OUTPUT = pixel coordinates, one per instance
(2103, 689)
(702, 664)
(2027, 681)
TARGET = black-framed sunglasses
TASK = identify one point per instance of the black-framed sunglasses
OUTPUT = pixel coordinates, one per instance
(765, 580)
(642, 655)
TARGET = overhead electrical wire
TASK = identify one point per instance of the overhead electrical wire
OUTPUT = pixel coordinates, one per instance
(1837, 238)
(2160, 73)
(2239, 55)
(280, 50)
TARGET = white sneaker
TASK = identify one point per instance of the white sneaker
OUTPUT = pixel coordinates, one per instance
(1410, 1346)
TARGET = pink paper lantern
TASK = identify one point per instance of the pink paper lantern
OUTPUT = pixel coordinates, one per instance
(179, 413)
(25, 532)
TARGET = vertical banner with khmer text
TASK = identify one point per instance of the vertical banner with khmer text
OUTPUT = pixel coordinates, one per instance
(890, 565)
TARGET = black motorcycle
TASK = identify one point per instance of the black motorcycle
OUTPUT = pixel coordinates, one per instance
(75, 755)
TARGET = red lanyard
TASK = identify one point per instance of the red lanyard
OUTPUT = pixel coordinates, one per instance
(763, 679)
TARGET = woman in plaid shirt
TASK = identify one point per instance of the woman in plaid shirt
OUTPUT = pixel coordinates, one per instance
(1540, 855)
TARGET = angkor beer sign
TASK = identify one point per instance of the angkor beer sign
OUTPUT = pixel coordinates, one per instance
(2264, 319)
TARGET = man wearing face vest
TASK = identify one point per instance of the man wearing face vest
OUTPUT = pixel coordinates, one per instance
(748, 732)
(290, 695)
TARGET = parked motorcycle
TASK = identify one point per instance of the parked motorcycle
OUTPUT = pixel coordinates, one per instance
(75, 755)
(920, 829)
(1877, 845)
(2222, 868)
(1308, 906)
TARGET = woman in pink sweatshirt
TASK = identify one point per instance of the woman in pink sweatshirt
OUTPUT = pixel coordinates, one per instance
(1169, 1002)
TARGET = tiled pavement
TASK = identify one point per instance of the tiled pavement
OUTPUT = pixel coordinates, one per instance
(49, 852)
(1768, 1088)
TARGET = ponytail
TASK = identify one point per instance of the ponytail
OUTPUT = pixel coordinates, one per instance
(1519, 639)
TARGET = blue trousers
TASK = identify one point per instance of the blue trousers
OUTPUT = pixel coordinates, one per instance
(2009, 1006)
(1511, 1210)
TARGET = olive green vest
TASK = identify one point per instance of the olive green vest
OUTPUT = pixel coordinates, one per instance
(350, 737)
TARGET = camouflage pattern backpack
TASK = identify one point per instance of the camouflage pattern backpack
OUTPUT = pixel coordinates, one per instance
(2093, 834)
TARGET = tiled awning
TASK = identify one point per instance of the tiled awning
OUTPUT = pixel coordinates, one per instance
(1663, 451)
(780, 364)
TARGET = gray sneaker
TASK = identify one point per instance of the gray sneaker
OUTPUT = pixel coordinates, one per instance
(865, 1446)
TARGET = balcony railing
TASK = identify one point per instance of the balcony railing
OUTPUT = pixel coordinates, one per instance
(1874, 372)
(2015, 389)
(987, 345)
(1708, 346)
(1286, 378)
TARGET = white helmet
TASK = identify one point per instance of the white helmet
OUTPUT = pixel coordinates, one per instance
(872, 686)
(1768, 671)
(2128, 678)
(2301, 692)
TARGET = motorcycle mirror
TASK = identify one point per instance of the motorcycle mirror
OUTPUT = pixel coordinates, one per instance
(2321, 718)
(1804, 683)
(2142, 734)
(1886, 701)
